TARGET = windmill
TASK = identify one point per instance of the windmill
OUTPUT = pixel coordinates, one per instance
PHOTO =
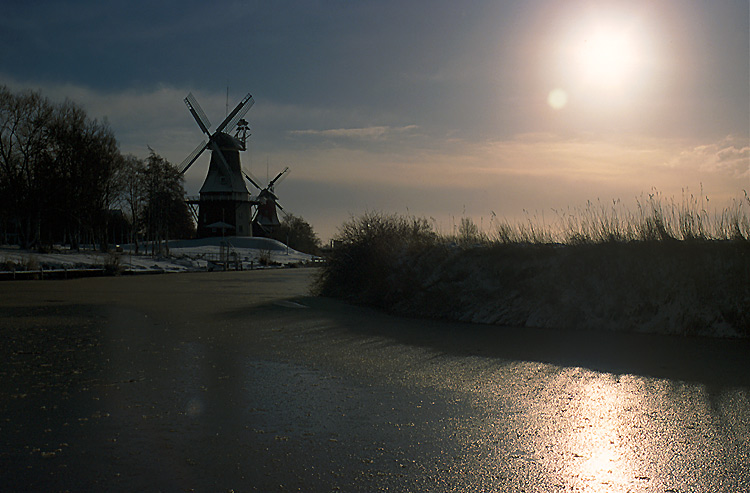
(266, 219)
(224, 204)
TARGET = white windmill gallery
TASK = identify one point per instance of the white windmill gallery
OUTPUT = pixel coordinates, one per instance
(225, 207)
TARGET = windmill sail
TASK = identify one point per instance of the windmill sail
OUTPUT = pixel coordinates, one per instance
(198, 114)
(193, 156)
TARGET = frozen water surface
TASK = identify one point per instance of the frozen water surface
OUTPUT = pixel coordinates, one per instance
(242, 381)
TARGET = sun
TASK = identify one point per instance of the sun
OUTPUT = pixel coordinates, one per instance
(602, 58)
(606, 56)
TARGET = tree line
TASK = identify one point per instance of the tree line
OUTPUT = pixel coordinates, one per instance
(298, 234)
(64, 180)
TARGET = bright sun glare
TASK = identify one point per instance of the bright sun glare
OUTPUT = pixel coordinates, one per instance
(602, 58)
(606, 57)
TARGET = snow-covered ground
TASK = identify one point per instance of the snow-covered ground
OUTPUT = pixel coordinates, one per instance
(184, 255)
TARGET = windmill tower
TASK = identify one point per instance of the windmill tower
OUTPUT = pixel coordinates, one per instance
(225, 206)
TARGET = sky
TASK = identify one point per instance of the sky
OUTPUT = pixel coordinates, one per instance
(438, 109)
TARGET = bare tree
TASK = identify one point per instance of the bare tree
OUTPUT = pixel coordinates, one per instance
(134, 195)
(165, 213)
(59, 171)
(23, 151)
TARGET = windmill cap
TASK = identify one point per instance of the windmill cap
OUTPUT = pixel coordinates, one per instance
(226, 141)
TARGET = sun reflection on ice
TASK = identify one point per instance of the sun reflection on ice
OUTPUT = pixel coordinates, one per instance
(600, 459)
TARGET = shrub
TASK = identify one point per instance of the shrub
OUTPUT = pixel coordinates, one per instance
(369, 248)
(666, 267)
(112, 264)
(264, 257)
(32, 263)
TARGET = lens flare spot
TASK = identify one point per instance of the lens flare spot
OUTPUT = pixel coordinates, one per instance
(557, 99)
(194, 408)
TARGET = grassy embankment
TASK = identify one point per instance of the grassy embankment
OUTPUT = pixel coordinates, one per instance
(666, 267)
